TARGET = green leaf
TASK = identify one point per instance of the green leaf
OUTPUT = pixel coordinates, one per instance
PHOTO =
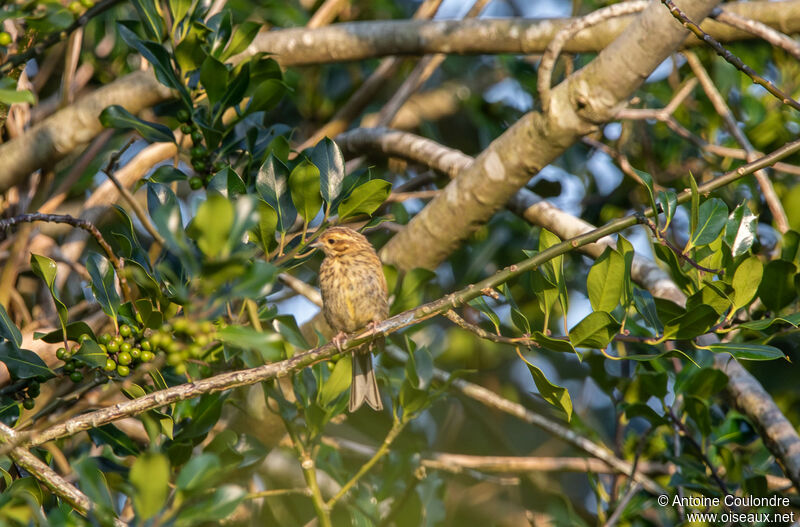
(179, 9)
(267, 223)
(167, 174)
(412, 289)
(149, 476)
(94, 485)
(552, 393)
(692, 323)
(248, 338)
(74, 332)
(594, 331)
(199, 472)
(646, 306)
(151, 20)
(14, 96)
(365, 199)
(118, 117)
(271, 185)
(212, 225)
(702, 383)
(166, 213)
(709, 295)
(480, 304)
(327, 156)
(695, 205)
(712, 218)
(625, 248)
(90, 354)
(158, 56)
(110, 435)
(103, 283)
(606, 280)
(669, 204)
(9, 330)
(777, 285)
(242, 36)
(553, 269)
(746, 280)
(23, 363)
(740, 230)
(337, 383)
(45, 268)
(219, 505)
(304, 186)
(517, 317)
(266, 96)
(760, 325)
(227, 183)
(214, 78)
(553, 343)
(647, 179)
(235, 90)
(745, 351)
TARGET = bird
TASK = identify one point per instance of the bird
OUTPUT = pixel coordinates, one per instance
(354, 297)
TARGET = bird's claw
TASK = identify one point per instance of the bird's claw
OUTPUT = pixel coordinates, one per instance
(338, 340)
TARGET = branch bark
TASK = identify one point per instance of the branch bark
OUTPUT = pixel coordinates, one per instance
(586, 99)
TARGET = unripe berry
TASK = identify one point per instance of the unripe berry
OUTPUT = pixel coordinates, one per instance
(123, 371)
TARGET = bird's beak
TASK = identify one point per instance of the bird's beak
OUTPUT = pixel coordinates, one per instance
(317, 244)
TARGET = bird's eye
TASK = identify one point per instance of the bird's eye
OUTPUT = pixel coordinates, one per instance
(330, 241)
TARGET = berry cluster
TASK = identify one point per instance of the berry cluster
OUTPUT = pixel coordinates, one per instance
(201, 156)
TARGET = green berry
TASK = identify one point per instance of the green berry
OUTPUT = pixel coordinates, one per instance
(28, 404)
(166, 327)
(147, 356)
(202, 340)
(87, 3)
(125, 330)
(195, 183)
(138, 318)
(61, 353)
(118, 339)
(69, 367)
(5, 39)
(173, 359)
(180, 369)
(110, 365)
(136, 353)
(207, 326)
(83, 338)
(199, 165)
(218, 165)
(75, 7)
(125, 347)
(34, 390)
(145, 345)
(123, 371)
(104, 348)
(197, 137)
(180, 325)
(113, 346)
(124, 358)
(183, 115)
(34, 385)
(76, 376)
(105, 338)
(155, 340)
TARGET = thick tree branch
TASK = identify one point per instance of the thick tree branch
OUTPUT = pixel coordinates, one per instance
(578, 105)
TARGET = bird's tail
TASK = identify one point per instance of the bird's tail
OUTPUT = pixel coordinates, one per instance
(364, 386)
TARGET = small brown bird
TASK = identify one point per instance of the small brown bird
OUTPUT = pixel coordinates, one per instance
(354, 296)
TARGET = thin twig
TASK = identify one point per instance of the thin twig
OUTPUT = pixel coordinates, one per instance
(81, 224)
(397, 427)
(728, 56)
(770, 196)
(553, 49)
(760, 29)
(109, 171)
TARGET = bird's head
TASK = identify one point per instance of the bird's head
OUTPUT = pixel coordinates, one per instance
(338, 241)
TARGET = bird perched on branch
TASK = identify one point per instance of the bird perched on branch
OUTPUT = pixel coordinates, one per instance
(354, 296)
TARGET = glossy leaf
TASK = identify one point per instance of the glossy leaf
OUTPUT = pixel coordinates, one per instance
(712, 217)
(103, 283)
(552, 393)
(158, 56)
(304, 186)
(712, 296)
(45, 268)
(214, 78)
(748, 351)
(365, 199)
(91, 354)
(199, 472)
(151, 20)
(9, 330)
(606, 280)
(22, 363)
(646, 306)
(669, 204)
(647, 180)
(337, 383)
(746, 280)
(272, 186)
(110, 435)
(777, 285)
(167, 174)
(694, 205)
(327, 156)
(212, 224)
(594, 331)
(692, 324)
(740, 230)
(242, 36)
